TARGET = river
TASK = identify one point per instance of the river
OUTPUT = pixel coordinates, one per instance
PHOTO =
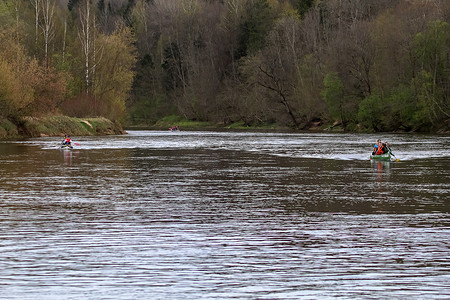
(225, 215)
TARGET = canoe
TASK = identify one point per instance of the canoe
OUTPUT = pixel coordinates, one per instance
(384, 156)
(66, 147)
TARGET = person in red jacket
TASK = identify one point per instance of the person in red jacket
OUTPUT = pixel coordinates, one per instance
(67, 141)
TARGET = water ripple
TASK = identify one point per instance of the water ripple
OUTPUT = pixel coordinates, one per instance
(223, 216)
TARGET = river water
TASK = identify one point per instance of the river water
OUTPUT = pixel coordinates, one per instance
(220, 215)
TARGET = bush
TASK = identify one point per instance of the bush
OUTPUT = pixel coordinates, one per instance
(370, 112)
(8, 129)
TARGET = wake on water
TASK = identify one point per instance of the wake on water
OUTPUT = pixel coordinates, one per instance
(336, 146)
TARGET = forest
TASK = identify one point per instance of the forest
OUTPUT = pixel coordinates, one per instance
(366, 65)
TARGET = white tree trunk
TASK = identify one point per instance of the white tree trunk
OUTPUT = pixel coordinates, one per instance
(84, 35)
(48, 10)
(37, 5)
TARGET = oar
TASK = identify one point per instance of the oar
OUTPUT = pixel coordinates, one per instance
(76, 144)
(396, 159)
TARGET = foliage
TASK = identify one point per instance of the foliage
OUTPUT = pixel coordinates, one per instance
(302, 5)
(399, 109)
(432, 84)
(49, 90)
(371, 113)
(334, 94)
(16, 92)
(383, 63)
(10, 91)
(6, 13)
(254, 28)
(8, 129)
(114, 76)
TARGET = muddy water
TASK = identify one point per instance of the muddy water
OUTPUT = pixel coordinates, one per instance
(193, 215)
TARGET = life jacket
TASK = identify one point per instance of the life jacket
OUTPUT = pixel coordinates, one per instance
(380, 150)
(68, 141)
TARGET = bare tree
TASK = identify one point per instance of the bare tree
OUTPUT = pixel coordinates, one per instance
(64, 38)
(48, 25)
(350, 51)
(87, 35)
(141, 14)
(37, 6)
(274, 83)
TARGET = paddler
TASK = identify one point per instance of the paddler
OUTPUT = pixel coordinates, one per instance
(67, 140)
(380, 148)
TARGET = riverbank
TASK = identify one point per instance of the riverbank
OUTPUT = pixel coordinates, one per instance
(314, 126)
(184, 124)
(57, 126)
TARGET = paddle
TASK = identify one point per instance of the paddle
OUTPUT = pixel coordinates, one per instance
(76, 144)
(396, 159)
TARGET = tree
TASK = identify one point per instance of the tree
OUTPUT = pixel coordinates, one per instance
(278, 65)
(334, 96)
(37, 7)
(114, 76)
(302, 5)
(48, 25)
(49, 89)
(370, 113)
(255, 26)
(87, 35)
(432, 51)
(16, 93)
(71, 4)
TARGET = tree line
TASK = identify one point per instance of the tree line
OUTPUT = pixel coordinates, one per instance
(379, 65)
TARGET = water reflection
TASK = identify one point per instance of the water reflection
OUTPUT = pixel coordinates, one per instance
(382, 169)
(67, 154)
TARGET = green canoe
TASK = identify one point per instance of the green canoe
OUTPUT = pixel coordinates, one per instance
(385, 156)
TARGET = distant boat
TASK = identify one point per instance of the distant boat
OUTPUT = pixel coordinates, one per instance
(66, 147)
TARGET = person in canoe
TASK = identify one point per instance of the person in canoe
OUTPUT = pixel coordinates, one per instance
(380, 148)
(67, 140)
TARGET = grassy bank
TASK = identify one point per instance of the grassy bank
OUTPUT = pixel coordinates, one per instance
(314, 126)
(170, 121)
(184, 124)
(57, 126)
